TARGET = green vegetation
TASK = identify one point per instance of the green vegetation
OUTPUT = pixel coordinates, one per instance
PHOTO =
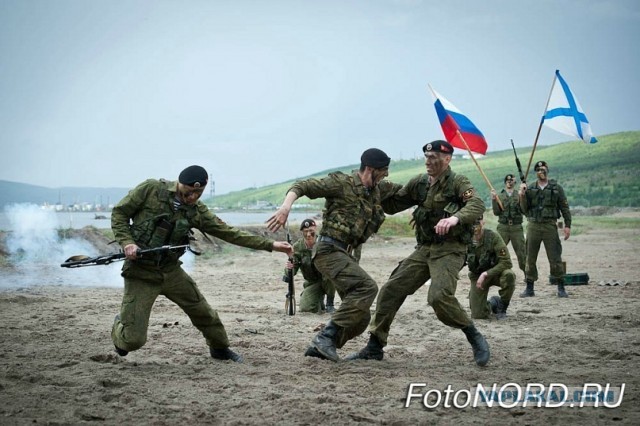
(603, 174)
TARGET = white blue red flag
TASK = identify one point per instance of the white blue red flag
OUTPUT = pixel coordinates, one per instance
(564, 113)
(455, 124)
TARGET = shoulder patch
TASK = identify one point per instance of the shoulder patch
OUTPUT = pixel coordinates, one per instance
(503, 252)
(469, 193)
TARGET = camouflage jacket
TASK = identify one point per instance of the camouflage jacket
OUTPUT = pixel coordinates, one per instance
(352, 213)
(546, 205)
(303, 261)
(146, 217)
(512, 214)
(450, 195)
(490, 254)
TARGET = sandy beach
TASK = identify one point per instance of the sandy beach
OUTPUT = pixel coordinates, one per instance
(57, 364)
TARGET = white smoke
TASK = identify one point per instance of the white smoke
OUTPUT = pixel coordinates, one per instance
(36, 251)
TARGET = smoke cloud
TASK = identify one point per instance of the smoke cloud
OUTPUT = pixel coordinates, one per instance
(36, 252)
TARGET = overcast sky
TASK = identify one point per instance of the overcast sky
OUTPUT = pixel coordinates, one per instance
(109, 93)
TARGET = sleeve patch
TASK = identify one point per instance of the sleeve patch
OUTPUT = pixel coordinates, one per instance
(503, 252)
(468, 194)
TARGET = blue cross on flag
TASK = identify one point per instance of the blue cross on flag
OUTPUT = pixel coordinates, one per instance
(564, 114)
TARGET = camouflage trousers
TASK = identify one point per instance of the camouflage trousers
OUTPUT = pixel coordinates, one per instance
(313, 295)
(441, 264)
(357, 290)
(515, 234)
(480, 307)
(547, 234)
(142, 286)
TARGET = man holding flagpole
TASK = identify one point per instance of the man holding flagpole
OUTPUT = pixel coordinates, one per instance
(543, 202)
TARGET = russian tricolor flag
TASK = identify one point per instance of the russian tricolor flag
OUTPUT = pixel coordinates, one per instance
(457, 126)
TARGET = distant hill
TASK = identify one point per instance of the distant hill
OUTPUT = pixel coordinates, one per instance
(602, 174)
(14, 192)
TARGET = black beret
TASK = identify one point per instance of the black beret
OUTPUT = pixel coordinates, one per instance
(540, 164)
(376, 158)
(438, 146)
(195, 176)
(307, 223)
(509, 177)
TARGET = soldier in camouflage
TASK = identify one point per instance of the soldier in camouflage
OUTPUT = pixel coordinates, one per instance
(352, 213)
(489, 264)
(510, 218)
(157, 213)
(314, 287)
(447, 208)
(543, 202)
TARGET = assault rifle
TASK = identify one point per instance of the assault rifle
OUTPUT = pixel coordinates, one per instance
(522, 177)
(290, 301)
(82, 260)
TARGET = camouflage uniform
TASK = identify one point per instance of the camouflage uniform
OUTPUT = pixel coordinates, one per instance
(543, 207)
(314, 286)
(510, 224)
(352, 213)
(155, 221)
(438, 258)
(490, 254)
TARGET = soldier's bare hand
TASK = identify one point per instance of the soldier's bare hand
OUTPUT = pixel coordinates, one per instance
(283, 247)
(481, 280)
(131, 251)
(494, 195)
(567, 233)
(444, 225)
(289, 264)
(278, 219)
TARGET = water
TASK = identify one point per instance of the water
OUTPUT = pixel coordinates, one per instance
(77, 220)
(35, 250)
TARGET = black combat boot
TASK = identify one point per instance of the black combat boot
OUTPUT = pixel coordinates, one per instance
(561, 291)
(528, 292)
(325, 342)
(481, 353)
(312, 351)
(329, 306)
(226, 354)
(498, 307)
(373, 350)
(503, 314)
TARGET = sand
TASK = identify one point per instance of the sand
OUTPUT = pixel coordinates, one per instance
(57, 364)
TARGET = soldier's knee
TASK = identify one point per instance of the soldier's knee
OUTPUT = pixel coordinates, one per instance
(436, 297)
(369, 290)
(510, 277)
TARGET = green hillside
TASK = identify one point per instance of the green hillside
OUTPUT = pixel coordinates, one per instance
(603, 174)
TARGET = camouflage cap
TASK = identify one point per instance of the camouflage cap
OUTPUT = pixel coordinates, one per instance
(307, 223)
(195, 176)
(540, 164)
(376, 158)
(438, 146)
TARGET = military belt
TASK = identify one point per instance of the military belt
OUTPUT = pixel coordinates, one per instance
(531, 219)
(510, 222)
(344, 246)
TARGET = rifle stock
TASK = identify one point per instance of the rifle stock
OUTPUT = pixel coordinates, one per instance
(82, 260)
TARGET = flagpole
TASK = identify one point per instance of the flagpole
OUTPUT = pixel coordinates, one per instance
(479, 168)
(535, 142)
